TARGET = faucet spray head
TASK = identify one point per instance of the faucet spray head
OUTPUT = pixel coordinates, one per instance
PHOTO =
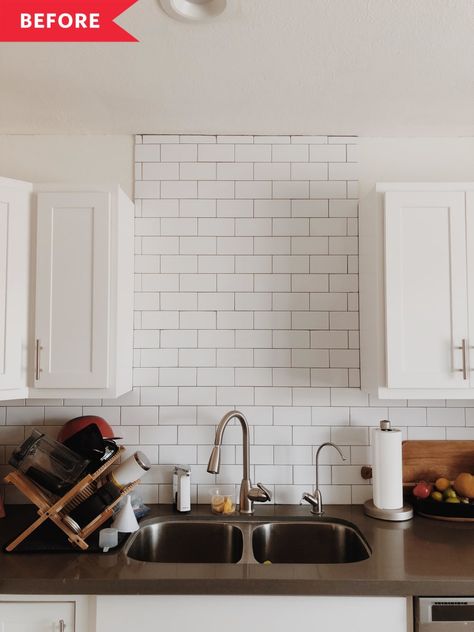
(214, 460)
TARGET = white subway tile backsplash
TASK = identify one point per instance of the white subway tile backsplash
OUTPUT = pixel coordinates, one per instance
(178, 152)
(291, 189)
(24, 416)
(147, 153)
(197, 357)
(253, 264)
(327, 153)
(234, 320)
(235, 246)
(272, 283)
(216, 153)
(173, 454)
(271, 435)
(215, 300)
(309, 208)
(329, 377)
(446, 417)
(292, 416)
(272, 171)
(253, 377)
(311, 396)
(160, 171)
(253, 301)
(215, 377)
(196, 208)
(197, 171)
(272, 208)
(177, 376)
(196, 395)
(273, 396)
(235, 396)
(291, 377)
(309, 171)
(289, 153)
(328, 190)
(253, 227)
(216, 339)
(217, 189)
(291, 227)
(178, 189)
(272, 357)
(253, 189)
(235, 171)
(407, 416)
(139, 415)
(310, 245)
(247, 297)
(235, 357)
(253, 153)
(235, 208)
(163, 139)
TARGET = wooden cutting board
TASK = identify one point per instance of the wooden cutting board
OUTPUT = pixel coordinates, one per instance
(428, 460)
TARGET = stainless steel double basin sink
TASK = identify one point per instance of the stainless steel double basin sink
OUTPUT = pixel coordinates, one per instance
(322, 541)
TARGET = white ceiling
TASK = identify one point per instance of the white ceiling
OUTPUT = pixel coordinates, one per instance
(367, 67)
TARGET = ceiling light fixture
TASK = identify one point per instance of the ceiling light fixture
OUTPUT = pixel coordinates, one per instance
(194, 10)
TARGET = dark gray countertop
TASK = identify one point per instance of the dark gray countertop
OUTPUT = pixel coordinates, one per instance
(419, 557)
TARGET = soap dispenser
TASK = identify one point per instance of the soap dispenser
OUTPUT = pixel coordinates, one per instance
(182, 488)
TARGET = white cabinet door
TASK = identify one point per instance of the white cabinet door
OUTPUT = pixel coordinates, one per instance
(37, 616)
(425, 289)
(214, 613)
(470, 277)
(14, 271)
(72, 290)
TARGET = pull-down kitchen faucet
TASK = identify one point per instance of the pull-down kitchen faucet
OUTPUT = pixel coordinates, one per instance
(315, 499)
(248, 494)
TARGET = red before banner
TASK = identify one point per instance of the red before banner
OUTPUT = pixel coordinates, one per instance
(63, 21)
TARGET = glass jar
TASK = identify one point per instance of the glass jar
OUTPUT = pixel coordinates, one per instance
(222, 503)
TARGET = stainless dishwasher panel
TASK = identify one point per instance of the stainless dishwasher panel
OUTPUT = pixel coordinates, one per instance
(444, 614)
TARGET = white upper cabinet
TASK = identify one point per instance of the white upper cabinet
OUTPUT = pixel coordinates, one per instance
(417, 291)
(15, 221)
(81, 271)
(72, 290)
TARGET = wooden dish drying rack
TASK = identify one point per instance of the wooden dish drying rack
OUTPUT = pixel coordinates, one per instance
(57, 510)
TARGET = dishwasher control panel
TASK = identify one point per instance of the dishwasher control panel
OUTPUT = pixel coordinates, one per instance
(444, 614)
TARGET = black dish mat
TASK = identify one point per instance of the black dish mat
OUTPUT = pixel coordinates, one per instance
(48, 538)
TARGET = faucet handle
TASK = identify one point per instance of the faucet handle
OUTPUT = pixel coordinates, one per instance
(315, 501)
(260, 494)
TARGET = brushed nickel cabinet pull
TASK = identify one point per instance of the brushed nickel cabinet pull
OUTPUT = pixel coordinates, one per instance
(464, 359)
(62, 626)
(38, 368)
(464, 349)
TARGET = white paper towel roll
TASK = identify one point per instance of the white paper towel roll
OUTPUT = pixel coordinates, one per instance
(387, 475)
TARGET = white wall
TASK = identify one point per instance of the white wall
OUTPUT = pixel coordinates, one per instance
(415, 160)
(88, 159)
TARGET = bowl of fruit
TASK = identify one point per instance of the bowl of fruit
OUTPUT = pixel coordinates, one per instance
(445, 499)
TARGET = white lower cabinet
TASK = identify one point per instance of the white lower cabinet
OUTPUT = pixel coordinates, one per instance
(214, 613)
(51, 613)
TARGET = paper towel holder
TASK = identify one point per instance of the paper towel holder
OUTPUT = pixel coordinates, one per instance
(399, 514)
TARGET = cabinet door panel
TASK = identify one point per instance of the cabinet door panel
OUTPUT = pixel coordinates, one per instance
(72, 289)
(14, 263)
(470, 276)
(425, 289)
(214, 613)
(36, 616)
